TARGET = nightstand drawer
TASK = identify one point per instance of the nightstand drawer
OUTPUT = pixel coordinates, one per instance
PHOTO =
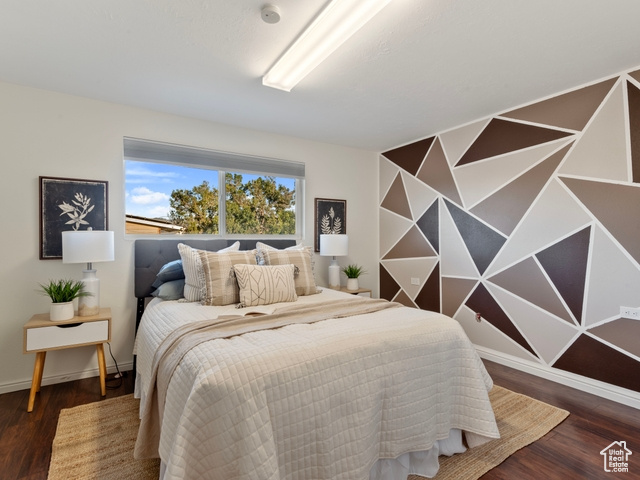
(48, 338)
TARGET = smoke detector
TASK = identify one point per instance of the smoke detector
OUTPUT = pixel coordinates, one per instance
(270, 14)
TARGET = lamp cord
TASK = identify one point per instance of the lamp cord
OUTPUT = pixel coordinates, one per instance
(118, 376)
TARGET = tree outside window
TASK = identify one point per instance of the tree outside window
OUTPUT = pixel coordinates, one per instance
(254, 204)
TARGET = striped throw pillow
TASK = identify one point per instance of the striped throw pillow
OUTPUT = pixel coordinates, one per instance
(305, 282)
(194, 288)
(221, 287)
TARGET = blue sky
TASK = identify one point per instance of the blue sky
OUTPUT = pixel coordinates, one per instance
(148, 186)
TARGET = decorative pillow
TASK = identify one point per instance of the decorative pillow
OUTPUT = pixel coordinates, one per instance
(169, 271)
(261, 247)
(301, 258)
(171, 290)
(264, 285)
(194, 287)
(220, 283)
(264, 246)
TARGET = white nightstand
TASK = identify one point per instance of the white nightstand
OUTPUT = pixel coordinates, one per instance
(365, 292)
(42, 335)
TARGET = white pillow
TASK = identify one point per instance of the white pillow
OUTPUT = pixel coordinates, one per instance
(264, 246)
(194, 287)
(264, 285)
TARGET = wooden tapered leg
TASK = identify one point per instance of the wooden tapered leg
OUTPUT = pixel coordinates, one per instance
(102, 367)
(43, 356)
(38, 368)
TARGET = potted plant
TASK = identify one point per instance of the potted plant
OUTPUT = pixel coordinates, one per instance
(352, 272)
(62, 294)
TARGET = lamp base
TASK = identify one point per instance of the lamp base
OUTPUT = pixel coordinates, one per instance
(89, 305)
(334, 275)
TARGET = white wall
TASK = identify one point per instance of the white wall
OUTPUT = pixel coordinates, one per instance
(50, 134)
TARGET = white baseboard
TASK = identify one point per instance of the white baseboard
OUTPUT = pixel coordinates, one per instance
(67, 377)
(595, 387)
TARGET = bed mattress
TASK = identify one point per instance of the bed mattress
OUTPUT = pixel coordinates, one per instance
(321, 400)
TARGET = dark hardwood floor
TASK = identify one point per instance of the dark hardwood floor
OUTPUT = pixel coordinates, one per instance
(26, 438)
(570, 451)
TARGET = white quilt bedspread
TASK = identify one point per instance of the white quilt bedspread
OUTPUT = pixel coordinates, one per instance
(314, 401)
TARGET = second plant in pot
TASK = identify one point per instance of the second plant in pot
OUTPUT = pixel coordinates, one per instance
(62, 294)
(352, 272)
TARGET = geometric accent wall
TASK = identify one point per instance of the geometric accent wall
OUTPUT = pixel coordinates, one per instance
(530, 218)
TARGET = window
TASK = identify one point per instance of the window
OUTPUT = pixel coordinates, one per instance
(176, 189)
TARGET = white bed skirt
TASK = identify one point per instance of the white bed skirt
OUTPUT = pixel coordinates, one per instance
(417, 463)
(423, 463)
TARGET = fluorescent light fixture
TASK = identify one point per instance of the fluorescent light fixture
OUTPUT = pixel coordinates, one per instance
(332, 27)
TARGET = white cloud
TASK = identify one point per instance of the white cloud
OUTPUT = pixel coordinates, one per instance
(139, 173)
(144, 196)
(158, 212)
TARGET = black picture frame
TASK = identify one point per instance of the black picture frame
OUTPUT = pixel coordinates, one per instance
(70, 204)
(330, 217)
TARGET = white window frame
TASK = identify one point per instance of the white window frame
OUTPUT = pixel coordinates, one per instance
(150, 151)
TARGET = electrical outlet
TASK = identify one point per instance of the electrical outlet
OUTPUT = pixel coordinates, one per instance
(415, 281)
(630, 312)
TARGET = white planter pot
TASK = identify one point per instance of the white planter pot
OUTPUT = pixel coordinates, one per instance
(352, 284)
(61, 311)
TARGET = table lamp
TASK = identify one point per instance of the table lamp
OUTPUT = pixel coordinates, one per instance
(335, 245)
(88, 246)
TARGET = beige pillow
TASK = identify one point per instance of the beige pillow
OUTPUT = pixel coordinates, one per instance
(194, 288)
(305, 283)
(264, 285)
(261, 247)
(220, 283)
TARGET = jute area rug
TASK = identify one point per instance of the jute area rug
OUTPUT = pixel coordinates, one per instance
(95, 441)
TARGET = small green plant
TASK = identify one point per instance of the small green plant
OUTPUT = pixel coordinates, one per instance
(60, 291)
(353, 271)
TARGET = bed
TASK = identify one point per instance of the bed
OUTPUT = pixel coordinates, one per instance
(314, 385)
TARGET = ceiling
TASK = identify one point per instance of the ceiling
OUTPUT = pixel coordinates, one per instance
(418, 68)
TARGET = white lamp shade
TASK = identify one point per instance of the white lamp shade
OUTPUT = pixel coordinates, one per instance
(334, 245)
(87, 246)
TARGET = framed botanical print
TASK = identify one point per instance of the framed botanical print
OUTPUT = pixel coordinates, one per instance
(69, 204)
(330, 218)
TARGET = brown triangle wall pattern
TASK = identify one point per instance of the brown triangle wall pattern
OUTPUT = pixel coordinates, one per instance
(531, 218)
